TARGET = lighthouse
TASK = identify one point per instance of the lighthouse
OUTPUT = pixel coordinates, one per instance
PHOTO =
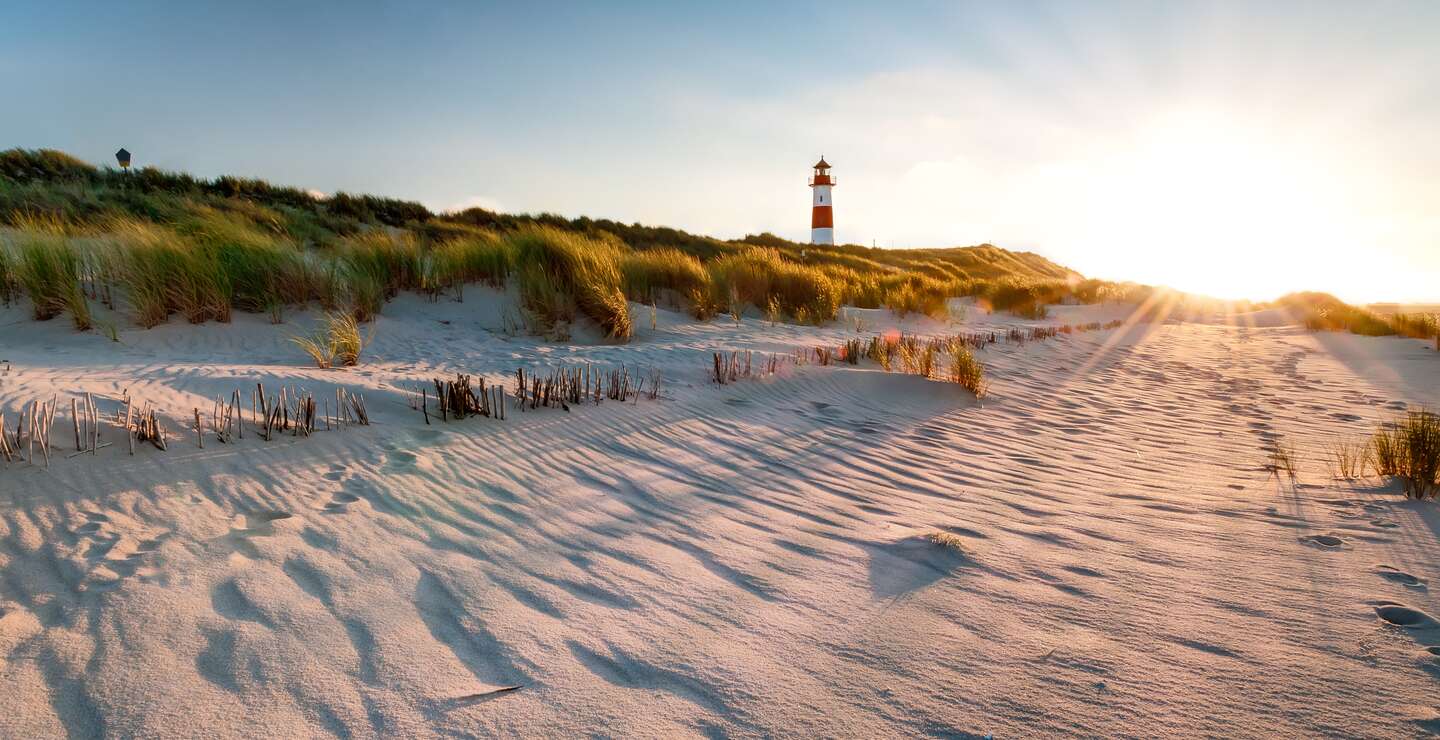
(822, 222)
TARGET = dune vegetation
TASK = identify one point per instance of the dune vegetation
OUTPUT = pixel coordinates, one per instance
(1325, 312)
(155, 244)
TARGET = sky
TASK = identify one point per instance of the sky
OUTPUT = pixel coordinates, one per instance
(1241, 150)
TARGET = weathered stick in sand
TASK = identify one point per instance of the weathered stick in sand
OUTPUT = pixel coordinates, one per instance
(128, 434)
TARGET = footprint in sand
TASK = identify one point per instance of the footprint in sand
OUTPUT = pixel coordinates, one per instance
(1326, 541)
(399, 461)
(340, 501)
(1404, 616)
(1395, 575)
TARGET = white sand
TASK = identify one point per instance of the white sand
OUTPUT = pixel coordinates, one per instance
(744, 560)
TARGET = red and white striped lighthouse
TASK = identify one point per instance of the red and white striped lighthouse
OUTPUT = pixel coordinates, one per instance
(822, 221)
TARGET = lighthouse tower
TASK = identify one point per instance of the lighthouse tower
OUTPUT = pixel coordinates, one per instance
(822, 222)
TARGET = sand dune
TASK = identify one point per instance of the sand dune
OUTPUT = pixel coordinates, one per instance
(739, 560)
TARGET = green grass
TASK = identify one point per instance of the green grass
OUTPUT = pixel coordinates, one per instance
(48, 269)
(480, 257)
(9, 284)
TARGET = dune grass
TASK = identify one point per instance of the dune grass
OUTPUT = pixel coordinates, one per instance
(1349, 459)
(1416, 325)
(478, 257)
(762, 278)
(337, 340)
(47, 267)
(1409, 448)
(559, 270)
(947, 540)
(250, 245)
(1280, 457)
(649, 274)
(923, 296)
(9, 289)
(966, 370)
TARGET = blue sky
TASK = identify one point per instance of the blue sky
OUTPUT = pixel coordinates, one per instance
(1216, 147)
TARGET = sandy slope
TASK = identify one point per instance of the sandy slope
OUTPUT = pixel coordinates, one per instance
(742, 560)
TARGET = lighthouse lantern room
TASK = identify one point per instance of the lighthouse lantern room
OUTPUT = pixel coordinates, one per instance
(822, 222)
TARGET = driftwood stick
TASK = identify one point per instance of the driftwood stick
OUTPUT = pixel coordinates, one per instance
(128, 434)
(94, 422)
(45, 435)
(105, 444)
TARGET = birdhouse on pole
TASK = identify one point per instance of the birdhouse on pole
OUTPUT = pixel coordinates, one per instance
(123, 157)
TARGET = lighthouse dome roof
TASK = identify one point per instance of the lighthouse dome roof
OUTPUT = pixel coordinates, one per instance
(822, 164)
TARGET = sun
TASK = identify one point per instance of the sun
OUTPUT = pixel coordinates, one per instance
(1207, 203)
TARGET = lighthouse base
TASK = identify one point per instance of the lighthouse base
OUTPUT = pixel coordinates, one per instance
(822, 236)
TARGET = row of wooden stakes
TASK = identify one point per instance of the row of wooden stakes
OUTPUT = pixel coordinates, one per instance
(291, 410)
(562, 387)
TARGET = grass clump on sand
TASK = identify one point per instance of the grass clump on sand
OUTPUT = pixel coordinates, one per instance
(1417, 325)
(1325, 312)
(1349, 459)
(1409, 448)
(48, 269)
(167, 273)
(947, 540)
(764, 279)
(1280, 458)
(336, 341)
(9, 289)
(966, 370)
(923, 296)
(558, 269)
(478, 257)
(647, 275)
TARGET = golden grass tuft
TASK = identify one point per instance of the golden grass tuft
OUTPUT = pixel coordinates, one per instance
(966, 370)
(1348, 459)
(947, 540)
(337, 340)
(1280, 457)
(648, 274)
(558, 269)
(1409, 448)
(48, 268)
